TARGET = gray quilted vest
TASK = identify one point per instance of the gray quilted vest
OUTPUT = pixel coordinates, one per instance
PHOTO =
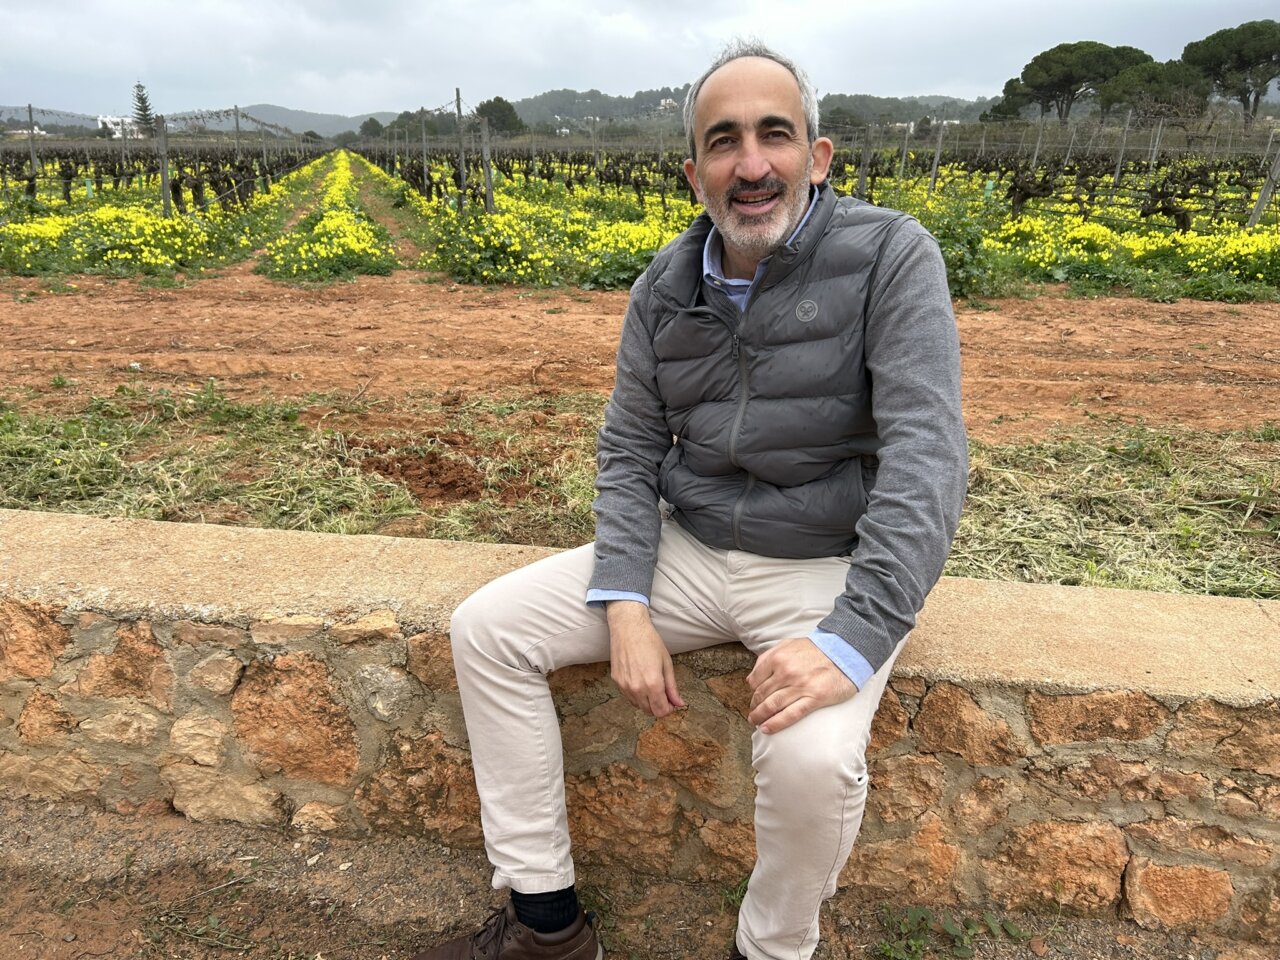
(770, 408)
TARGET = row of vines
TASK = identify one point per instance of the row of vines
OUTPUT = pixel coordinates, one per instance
(1161, 229)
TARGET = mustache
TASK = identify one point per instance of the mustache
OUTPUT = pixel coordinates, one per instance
(765, 185)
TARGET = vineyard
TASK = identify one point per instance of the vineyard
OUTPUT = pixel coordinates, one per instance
(205, 367)
(1177, 227)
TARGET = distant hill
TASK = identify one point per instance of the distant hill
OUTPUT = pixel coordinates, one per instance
(299, 121)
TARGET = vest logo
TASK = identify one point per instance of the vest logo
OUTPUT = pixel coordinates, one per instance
(806, 310)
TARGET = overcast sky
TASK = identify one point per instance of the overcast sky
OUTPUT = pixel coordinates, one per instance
(359, 56)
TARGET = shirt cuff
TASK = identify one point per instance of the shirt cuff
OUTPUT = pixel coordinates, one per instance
(598, 598)
(850, 662)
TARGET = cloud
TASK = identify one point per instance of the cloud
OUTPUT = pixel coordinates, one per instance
(352, 58)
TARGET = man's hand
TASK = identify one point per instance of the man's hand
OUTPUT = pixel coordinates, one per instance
(639, 661)
(791, 681)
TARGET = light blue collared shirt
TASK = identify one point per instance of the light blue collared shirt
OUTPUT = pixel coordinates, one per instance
(850, 662)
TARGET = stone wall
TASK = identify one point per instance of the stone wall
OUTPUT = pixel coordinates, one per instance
(1039, 747)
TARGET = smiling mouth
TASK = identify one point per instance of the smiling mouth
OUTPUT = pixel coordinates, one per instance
(758, 197)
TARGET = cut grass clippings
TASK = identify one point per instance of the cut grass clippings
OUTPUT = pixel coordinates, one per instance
(1120, 506)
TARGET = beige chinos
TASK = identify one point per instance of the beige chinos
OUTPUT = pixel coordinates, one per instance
(811, 778)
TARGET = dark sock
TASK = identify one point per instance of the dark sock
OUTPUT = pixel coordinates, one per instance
(546, 912)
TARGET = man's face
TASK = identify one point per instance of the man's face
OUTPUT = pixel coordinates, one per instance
(754, 162)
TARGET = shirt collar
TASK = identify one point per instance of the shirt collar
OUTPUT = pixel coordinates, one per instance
(713, 251)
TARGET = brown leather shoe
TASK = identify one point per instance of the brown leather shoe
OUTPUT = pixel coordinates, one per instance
(503, 937)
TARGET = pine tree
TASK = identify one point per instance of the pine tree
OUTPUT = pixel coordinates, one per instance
(142, 115)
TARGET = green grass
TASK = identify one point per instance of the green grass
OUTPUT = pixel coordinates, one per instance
(1120, 506)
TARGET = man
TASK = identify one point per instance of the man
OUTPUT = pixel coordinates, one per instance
(782, 463)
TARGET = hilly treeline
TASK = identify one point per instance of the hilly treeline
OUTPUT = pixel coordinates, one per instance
(1237, 65)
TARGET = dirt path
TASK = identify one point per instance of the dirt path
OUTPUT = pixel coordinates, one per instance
(378, 205)
(76, 884)
(1030, 366)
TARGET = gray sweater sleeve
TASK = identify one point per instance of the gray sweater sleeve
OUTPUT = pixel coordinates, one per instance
(913, 360)
(632, 444)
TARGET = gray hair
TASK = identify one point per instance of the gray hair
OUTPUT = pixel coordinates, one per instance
(736, 50)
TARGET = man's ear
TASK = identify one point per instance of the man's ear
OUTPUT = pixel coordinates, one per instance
(821, 151)
(691, 174)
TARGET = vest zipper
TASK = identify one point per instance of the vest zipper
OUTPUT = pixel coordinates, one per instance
(733, 440)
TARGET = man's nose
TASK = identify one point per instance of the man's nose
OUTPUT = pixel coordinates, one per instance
(753, 165)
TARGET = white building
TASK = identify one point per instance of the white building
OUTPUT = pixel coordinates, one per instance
(121, 127)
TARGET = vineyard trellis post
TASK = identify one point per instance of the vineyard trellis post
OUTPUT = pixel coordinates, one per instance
(235, 110)
(937, 155)
(1035, 154)
(426, 190)
(1266, 151)
(31, 141)
(1264, 195)
(162, 144)
(902, 160)
(1071, 145)
(862, 164)
(488, 169)
(266, 174)
(1124, 139)
(1155, 146)
(462, 152)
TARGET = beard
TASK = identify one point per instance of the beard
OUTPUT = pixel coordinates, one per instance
(758, 237)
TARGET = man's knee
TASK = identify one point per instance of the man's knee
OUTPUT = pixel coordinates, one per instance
(474, 626)
(811, 759)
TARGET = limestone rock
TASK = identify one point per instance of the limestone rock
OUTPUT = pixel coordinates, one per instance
(620, 817)
(920, 868)
(1245, 800)
(731, 689)
(218, 674)
(1176, 836)
(889, 725)
(1260, 913)
(199, 738)
(1178, 896)
(908, 686)
(1240, 738)
(286, 713)
(214, 634)
(695, 748)
(733, 843)
(431, 661)
(985, 804)
(43, 722)
(425, 787)
(371, 628)
(315, 817)
(1056, 862)
(577, 678)
(1111, 715)
(600, 729)
(53, 778)
(31, 639)
(135, 668)
(204, 794)
(903, 788)
(1131, 780)
(130, 728)
(950, 721)
(387, 691)
(282, 631)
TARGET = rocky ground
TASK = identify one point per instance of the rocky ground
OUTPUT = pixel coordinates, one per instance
(76, 883)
